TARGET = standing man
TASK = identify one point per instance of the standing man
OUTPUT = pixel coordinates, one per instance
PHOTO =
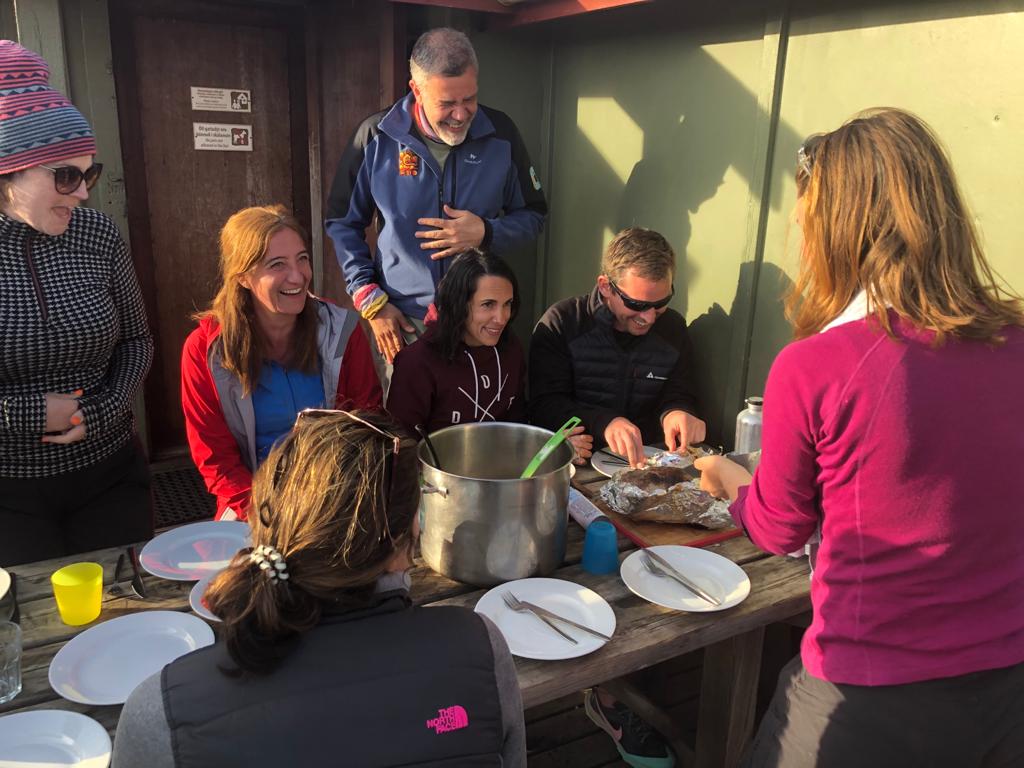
(440, 174)
(619, 358)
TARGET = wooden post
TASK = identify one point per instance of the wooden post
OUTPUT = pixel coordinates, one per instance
(727, 699)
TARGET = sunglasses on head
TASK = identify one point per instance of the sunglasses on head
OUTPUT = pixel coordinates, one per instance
(641, 306)
(68, 178)
(391, 455)
(805, 154)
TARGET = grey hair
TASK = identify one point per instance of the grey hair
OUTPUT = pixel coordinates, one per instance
(442, 51)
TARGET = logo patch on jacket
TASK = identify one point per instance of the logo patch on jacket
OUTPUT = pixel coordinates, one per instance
(408, 163)
(472, 159)
(449, 719)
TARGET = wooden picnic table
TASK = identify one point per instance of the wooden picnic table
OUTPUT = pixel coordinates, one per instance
(645, 635)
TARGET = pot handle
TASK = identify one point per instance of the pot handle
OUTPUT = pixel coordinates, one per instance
(549, 446)
(426, 487)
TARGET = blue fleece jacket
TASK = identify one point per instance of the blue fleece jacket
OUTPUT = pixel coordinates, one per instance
(489, 174)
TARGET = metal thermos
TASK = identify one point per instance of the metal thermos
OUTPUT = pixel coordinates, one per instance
(748, 426)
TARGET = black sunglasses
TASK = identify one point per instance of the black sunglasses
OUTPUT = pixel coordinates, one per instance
(806, 152)
(68, 178)
(641, 306)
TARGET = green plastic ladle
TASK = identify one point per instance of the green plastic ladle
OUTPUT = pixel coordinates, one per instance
(555, 440)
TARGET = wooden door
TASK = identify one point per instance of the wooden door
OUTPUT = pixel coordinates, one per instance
(180, 196)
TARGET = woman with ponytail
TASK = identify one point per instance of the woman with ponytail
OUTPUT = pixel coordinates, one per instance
(322, 659)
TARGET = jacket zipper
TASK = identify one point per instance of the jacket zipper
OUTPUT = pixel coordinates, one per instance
(44, 311)
(450, 162)
(455, 168)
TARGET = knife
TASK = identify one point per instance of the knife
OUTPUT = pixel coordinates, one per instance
(612, 458)
(137, 585)
(665, 566)
(570, 622)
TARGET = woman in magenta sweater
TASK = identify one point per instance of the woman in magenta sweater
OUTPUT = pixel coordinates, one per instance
(468, 366)
(893, 425)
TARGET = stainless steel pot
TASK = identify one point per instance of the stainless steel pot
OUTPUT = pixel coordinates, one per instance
(480, 523)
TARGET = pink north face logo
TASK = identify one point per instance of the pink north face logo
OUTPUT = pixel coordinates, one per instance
(449, 719)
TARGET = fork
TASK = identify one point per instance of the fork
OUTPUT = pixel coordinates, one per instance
(652, 568)
(513, 602)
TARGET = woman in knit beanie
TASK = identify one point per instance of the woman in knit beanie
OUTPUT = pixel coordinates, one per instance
(74, 342)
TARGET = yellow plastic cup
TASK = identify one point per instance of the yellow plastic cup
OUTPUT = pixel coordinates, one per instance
(78, 589)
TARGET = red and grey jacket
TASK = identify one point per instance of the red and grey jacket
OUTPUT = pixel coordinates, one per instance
(219, 419)
(489, 174)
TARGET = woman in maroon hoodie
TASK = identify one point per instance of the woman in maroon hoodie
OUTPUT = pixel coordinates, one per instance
(468, 366)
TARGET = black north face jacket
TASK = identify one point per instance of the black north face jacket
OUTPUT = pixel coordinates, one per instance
(390, 686)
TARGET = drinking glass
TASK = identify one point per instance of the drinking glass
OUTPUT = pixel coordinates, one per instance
(10, 661)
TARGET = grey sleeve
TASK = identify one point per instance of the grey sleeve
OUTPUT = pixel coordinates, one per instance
(143, 738)
(513, 754)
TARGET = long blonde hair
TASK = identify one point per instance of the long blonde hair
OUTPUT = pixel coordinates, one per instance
(338, 504)
(243, 244)
(883, 213)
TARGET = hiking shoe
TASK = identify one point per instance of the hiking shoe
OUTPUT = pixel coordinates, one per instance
(638, 744)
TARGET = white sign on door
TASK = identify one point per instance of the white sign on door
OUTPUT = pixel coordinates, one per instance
(221, 99)
(222, 136)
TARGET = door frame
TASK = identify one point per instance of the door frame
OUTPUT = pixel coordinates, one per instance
(122, 15)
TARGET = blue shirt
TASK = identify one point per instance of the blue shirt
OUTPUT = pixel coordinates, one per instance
(277, 399)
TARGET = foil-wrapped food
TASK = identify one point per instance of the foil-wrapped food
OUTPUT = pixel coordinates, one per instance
(665, 494)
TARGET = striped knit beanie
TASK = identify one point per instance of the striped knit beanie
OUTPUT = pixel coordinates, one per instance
(37, 124)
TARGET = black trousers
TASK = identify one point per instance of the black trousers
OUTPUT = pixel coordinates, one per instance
(970, 721)
(104, 505)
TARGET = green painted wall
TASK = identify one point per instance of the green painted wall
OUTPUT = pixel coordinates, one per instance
(690, 125)
(685, 118)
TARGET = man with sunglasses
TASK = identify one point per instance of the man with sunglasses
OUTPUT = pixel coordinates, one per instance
(619, 358)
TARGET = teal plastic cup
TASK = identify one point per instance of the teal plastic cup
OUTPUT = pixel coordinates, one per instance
(600, 549)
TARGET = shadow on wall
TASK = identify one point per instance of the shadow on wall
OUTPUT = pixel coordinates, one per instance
(713, 333)
(656, 124)
(646, 129)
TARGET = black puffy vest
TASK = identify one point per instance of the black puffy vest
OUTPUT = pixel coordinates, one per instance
(393, 686)
(624, 374)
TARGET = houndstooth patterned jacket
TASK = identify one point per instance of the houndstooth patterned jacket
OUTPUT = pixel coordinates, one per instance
(71, 317)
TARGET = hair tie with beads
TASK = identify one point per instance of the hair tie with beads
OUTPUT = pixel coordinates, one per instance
(270, 561)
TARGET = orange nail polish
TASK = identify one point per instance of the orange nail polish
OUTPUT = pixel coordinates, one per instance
(78, 392)
(76, 420)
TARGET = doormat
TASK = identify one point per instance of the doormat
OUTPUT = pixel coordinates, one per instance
(180, 496)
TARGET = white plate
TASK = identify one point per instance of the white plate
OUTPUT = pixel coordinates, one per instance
(190, 552)
(600, 462)
(528, 637)
(5, 582)
(105, 663)
(713, 573)
(52, 737)
(195, 598)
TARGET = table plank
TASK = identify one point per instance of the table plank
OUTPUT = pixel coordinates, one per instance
(647, 634)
